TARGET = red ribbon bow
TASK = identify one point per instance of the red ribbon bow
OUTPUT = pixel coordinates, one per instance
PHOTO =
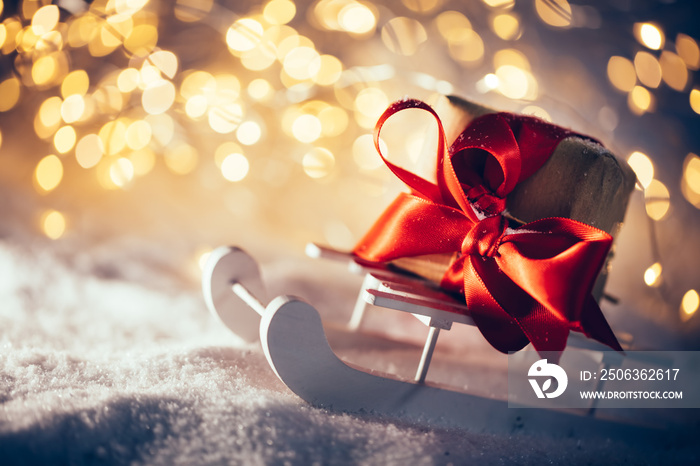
(527, 284)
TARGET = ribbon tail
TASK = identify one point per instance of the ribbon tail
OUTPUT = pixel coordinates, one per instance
(594, 325)
(534, 322)
(499, 328)
(545, 331)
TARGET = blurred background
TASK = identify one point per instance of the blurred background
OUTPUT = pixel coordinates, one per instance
(182, 125)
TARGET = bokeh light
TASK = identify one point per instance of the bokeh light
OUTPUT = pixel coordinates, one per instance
(656, 199)
(234, 167)
(302, 63)
(181, 158)
(371, 102)
(224, 150)
(649, 35)
(45, 19)
(89, 150)
(356, 18)
(53, 224)
(121, 172)
(225, 119)
(403, 36)
(9, 93)
(652, 275)
(113, 136)
(64, 139)
(128, 80)
(690, 179)
(279, 11)
(307, 128)
(148, 75)
(452, 25)
(621, 73)
(165, 61)
(48, 173)
(511, 57)
(468, 49)
(506, 26)
(248, 133)
(516, 83)
(138, 134)
(640, 100)
(162, 128)
(260, 89)
(158, 97)
(243, 35)
(500, 4)
(648, 69)
(196, 83)
(689, 304)
(45, 70)
(674, 71)
(642, 166)
(318, 163)
(694, 98)
(76, 82)
(555, 13)
(687, 48)
(142, 39)
(72, 108)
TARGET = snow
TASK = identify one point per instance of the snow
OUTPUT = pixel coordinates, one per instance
(124, 364)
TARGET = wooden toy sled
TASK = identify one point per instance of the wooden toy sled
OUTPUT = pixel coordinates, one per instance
(295, 345)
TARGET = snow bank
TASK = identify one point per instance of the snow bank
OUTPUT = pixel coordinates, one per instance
(106, 357)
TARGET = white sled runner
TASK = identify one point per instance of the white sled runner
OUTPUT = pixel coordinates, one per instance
(295, 344)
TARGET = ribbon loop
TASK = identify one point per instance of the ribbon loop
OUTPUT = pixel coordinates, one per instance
(487, 154)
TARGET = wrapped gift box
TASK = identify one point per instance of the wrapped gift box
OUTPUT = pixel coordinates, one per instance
(581, 180)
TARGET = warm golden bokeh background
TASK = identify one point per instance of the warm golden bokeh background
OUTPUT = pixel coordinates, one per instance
(189, 124)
